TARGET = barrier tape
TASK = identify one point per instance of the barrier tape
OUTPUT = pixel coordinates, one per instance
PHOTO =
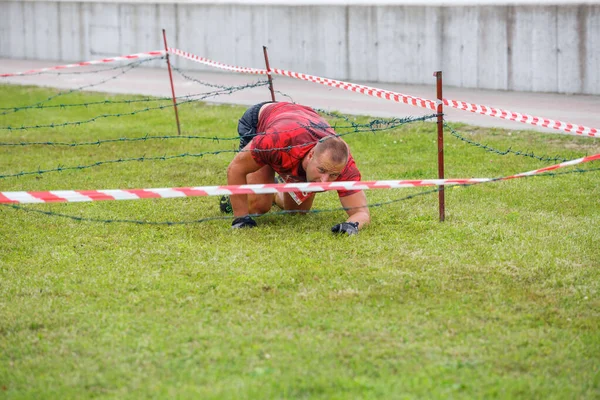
(572, 129)
(63, 196)
(565, 127)
(216, 64)
(369, 91)
(149, 54)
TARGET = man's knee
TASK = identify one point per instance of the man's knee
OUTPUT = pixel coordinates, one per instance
(260, 204)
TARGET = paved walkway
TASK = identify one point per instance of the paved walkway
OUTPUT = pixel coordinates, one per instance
(575, 109)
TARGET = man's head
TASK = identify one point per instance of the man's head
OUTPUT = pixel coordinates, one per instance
(326, 161)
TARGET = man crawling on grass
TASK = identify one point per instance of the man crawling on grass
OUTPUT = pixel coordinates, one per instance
(295, 143)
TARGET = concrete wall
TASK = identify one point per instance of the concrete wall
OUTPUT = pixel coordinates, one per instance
(545, 48)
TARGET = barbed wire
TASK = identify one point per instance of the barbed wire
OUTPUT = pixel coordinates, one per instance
(284, 94)
(93, 119)
(375, 125)
(382, 124)
(196, 98)
(119, 160)
(127, 68)
(346, 118)
(203, 83)
(275, 213)
(83, 71)
(92, 103)
(151, 99)
(125, 139)
(529, 154)
(192, 79)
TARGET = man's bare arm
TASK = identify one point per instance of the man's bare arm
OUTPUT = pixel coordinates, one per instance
(357, 208)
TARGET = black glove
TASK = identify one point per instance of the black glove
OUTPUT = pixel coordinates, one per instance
(244, 222)
(351, 228)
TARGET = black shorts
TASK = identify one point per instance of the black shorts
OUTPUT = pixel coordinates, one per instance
(248, 123)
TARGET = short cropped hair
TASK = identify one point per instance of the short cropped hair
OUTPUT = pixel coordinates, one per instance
(335, 147)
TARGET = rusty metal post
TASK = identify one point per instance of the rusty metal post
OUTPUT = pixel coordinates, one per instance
(440, 143)
(172, 86)
(269, 73)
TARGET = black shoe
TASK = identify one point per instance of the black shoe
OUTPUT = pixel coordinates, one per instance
(225, 205)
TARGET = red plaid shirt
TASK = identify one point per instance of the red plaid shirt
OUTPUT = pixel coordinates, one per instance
(287, 132)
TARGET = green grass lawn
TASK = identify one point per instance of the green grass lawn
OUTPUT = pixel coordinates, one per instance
(500, 301)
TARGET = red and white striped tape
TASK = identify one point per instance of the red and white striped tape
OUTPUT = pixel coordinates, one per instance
(148, 54)
(216, 64)
(572, 129)
(369, 91)
(134, 194)
(556, 166)
(96, 195)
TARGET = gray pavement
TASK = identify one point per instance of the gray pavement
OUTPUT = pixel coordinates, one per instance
(575, 109)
